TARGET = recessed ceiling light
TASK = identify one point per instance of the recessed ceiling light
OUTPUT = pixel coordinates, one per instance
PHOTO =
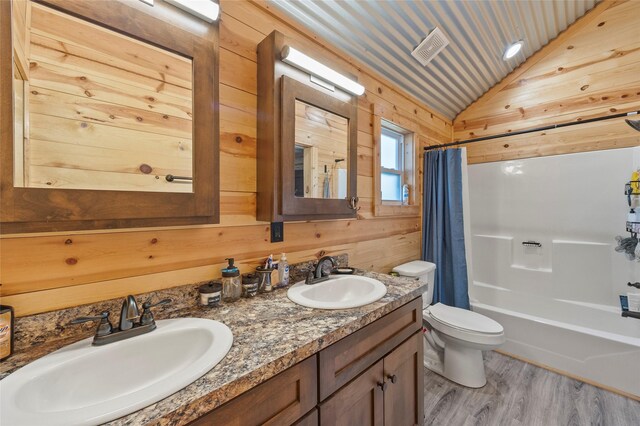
(512, 50)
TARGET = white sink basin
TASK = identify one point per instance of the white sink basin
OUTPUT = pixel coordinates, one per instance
(86, 385)
(339, 292)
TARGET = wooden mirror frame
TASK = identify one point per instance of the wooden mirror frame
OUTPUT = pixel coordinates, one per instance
(293, 91)
(276, 200)
(44, 209)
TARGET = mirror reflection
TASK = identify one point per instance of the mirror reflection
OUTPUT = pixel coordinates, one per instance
(101, 110)
(321, 153)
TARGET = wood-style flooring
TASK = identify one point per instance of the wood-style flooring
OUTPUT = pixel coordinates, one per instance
(522, 394)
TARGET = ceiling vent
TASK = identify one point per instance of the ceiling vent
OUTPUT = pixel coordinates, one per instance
(430, 46)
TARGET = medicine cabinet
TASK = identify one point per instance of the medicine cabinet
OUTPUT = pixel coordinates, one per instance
(109, 116)
(307, 142)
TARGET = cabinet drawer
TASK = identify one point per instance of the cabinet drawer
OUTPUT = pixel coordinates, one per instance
(280, 400)
(345, 359)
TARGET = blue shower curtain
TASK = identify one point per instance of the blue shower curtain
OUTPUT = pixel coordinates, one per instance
(443, 228)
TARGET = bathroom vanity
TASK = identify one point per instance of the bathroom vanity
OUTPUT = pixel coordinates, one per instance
(288, 364)
(372, 376)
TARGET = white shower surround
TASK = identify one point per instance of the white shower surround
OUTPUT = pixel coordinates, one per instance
(559, 303)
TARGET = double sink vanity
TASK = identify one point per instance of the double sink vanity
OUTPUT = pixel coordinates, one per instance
(342, 350)
(260, 360)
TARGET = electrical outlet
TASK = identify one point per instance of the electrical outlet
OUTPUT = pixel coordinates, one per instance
(277, 232)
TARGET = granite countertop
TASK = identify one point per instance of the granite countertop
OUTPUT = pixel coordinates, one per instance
(270, 335)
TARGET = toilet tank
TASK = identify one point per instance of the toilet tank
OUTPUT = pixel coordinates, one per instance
(420, 270)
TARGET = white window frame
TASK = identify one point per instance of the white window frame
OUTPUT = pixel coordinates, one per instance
(400, 140)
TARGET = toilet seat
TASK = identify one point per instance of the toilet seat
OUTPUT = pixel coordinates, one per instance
(463, 319)
(464, 325)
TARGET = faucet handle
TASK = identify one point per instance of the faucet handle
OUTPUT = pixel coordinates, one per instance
(147, 304)
(310, 277)
(104, 328)
(147, 315)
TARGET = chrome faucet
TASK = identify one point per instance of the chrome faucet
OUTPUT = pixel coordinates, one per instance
(105, 332)
(316, 276)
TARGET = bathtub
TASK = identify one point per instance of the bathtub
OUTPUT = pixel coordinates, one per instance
(558, 299)
(589, 341)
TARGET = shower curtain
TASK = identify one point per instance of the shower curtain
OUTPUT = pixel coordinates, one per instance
(443, 226)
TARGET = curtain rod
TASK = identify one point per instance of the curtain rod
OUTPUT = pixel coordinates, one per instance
(537, 129)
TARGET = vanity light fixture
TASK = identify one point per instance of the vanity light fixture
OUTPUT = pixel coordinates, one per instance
(203, 9)
(299, 60)
(512, 50)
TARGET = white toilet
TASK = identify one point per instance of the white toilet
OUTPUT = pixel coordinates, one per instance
(454, 338)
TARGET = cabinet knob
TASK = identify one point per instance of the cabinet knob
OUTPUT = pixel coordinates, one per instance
(393, 378)
(382, 386)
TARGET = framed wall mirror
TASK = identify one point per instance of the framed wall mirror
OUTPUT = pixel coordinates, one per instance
(318, 151)
(307, 141)
(109, 116)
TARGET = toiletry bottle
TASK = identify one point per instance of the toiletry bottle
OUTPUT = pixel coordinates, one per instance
(633, 300)
(6, 332)
(405, 194)
(231, 283)
(326, 185)
(283, 271)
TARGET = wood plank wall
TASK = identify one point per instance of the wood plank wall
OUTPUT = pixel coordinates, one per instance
(41, 272)
(590, 70)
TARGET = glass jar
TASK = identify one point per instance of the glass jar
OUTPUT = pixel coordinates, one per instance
(250, 285)
(231, 283)
(210, 293)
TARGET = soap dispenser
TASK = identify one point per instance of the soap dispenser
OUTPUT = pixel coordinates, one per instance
(231, 282)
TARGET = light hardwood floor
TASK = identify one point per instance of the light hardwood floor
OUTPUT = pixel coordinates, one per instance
(521, 394)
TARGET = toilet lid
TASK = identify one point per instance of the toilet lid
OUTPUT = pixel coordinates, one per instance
(463, 319)
(414, 268)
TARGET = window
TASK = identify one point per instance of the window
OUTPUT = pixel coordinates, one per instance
(395, 165)
(391, 164)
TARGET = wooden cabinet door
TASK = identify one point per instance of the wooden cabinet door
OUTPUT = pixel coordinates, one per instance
(403, 372)
(310, 419)
(345, 359)
(358, 403)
